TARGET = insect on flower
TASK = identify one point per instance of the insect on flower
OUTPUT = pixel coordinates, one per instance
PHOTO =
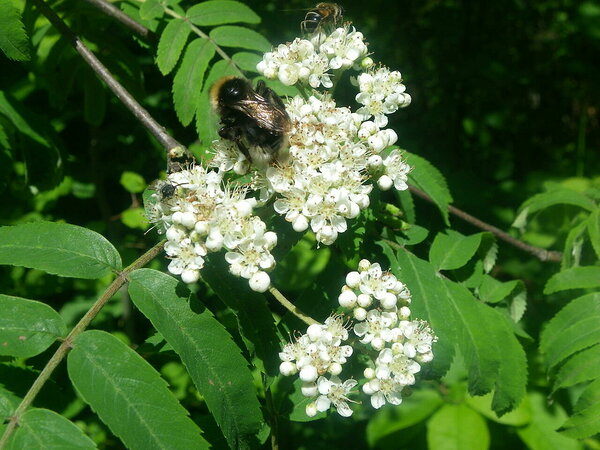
(255, 119)
(321, 15)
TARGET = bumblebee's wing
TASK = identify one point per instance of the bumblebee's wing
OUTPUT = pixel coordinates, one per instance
(268, 114)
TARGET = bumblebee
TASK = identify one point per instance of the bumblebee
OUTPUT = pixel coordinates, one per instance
(321, 15)
(255, 119)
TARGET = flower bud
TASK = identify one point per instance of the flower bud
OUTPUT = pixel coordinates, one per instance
(260, 281)
(308, 373)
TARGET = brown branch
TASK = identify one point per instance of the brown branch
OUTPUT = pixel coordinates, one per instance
(66, 345)
(540, 253)
(176, 152)
(111, 10)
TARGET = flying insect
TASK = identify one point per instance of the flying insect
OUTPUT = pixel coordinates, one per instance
(323, 14)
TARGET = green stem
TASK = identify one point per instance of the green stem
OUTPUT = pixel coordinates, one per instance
(67, 344)
(290, 306)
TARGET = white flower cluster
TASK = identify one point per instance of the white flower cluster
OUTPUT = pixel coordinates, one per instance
(199, 215)
(379, 304)
(308, 61)
(315, 354)
(381, 93)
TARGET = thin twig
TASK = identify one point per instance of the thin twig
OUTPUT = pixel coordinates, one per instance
(540, 253)
(67, 344)
(175, 150)
(111, 10)
(290, 306)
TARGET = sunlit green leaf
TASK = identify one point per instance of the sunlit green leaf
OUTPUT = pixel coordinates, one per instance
(387, 422)
(212, 359)
(132, 182)
(593, 227)
(541, 433)
(151, 9)
(13, 39)
(58, 248)
(585, 420)
(575, 327)
(27, 327)
(430, 180)
(246, 61)
(583, 366)
(170, 46)
(574, 278)
(219, 12)
(187, 84)
(42, 428)
(240, 37)
(129, 395)
(453, 250)
(457, 427)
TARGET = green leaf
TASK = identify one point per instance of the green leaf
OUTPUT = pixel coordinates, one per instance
(211, 357)
(494, 291)
(43, 160)
(128, 395)
(42, 428)
(481, 333)
(559, 196)
(541, 433)
(27, 327)
(511, 379)
(255, 320)
(58, 248)
(13, 38)
(239, 37)
(387, 422)
(135, 218)
(573, 245)
(518, 302)
(170, 46)
(583, 366)
(593, 227)
(132, 182)
(430, 180)
(575, 327)
(428, 302)
(516, 418)
(585, 420)
(151, 9)
(187, 84)
(453, 250)
(206, 120)
(246, 61)
(298, 402)
(457, 427)
(218, 12)
(573, 278)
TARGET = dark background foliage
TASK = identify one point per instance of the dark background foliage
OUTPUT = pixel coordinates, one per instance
(506, 100)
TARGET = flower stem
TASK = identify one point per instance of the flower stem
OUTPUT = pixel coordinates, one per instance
(67, 343)
(290, 306)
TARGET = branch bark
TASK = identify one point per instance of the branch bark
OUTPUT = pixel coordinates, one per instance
(540, 253)
(111, 10)
(66, 345)
(177, 154)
